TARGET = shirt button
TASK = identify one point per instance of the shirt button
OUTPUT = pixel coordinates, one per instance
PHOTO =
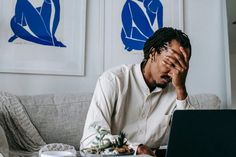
(143, 115)
(140, 131)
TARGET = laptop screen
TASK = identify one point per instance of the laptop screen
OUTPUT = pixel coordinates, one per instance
(203, 133)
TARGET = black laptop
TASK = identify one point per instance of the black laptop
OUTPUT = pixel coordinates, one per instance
(202, 133)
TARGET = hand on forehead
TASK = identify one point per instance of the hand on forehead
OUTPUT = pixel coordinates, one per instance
(176, 50)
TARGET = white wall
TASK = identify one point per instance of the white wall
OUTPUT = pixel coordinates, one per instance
(203, 24)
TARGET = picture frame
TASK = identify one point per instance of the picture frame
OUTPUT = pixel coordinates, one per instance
(24, 56)
(115, 50)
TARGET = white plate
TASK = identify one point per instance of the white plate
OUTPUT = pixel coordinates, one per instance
(106, 155)
(57, 154)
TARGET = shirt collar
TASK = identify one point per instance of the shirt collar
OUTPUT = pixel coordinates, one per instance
(141, 81)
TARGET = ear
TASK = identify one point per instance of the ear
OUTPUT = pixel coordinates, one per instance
(152, 54)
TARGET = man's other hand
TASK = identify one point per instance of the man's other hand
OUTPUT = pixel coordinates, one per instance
(143, 149)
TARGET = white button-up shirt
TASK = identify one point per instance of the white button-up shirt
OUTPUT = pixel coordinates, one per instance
(122, 101)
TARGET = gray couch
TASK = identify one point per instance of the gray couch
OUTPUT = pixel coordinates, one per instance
(60, 118)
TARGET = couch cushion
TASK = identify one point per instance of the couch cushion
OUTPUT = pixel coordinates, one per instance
(20, 132)
(58, 118)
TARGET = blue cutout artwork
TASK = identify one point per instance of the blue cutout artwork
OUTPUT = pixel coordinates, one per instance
(138, 26)
(33, 24)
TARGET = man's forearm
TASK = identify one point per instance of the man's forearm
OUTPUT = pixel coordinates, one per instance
(181, 93)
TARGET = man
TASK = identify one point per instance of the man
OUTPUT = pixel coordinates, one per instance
(140, 99)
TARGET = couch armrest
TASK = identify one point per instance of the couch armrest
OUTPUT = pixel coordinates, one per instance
(205, 101)
(4, 148)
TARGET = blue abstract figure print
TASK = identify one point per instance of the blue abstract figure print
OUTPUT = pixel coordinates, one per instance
(138, 24)
(34, 23)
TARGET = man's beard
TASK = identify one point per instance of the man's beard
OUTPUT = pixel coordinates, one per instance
(161, 85)
(168, 79)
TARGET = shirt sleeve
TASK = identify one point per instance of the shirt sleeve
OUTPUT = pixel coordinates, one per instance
(183, 104)
(100, 110)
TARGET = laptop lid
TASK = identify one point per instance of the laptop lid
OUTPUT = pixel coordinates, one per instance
(202, 133)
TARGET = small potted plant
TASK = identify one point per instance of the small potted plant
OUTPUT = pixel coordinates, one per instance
(107, 144)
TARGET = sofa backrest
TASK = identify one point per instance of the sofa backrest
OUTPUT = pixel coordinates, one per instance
(205, 101)
(60, 118)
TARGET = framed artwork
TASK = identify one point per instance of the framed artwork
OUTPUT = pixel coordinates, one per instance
(42, 36)
(130, 22)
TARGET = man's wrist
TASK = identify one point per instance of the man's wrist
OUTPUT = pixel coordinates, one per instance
(181, 93)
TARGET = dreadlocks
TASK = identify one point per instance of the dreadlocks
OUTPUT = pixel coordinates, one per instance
(163, 36)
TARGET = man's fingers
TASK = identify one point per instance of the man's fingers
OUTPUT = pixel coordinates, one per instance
(178, 63)
(173, 72)
(185, 54)
(173, 63)
(178, 59)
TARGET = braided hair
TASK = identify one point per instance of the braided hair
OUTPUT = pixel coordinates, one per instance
(163, 36)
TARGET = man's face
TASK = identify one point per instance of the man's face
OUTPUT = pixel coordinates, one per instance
(159, 70)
